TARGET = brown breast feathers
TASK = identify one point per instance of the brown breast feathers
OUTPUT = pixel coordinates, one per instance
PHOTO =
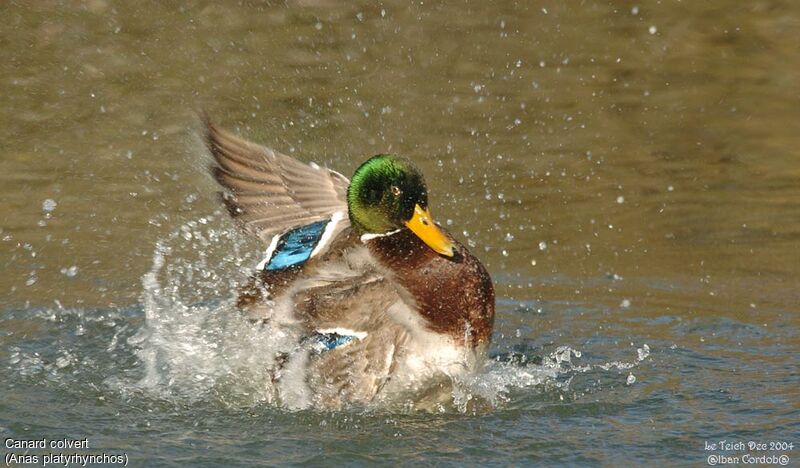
(455, 295)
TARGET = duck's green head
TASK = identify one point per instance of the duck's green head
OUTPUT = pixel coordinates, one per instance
(388, 193)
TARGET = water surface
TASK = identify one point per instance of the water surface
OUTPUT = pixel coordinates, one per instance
(628, 174)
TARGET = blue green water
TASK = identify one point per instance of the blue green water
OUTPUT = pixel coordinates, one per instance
(169, 383)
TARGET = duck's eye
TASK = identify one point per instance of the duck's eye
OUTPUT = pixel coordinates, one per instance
(395, 190)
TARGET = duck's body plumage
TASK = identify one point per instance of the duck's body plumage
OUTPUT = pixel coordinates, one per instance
(369, 318)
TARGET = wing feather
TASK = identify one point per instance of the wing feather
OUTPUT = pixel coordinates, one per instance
(242, 184)
(268, 192)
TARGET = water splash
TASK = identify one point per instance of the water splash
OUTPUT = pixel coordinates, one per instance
(500, 378)
(187, 343)
(195, 345)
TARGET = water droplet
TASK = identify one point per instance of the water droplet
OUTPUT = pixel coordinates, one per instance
(643, 352)
(625, 303)
(631, 379)
(652, 30)
(542, 245)
(70, 272)
(49, 205)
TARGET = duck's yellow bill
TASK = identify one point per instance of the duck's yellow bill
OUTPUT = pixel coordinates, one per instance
(422, 225)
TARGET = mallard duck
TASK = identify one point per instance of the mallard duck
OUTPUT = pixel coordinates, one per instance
(373, 299)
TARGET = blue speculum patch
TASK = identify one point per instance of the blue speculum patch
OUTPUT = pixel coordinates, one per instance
(295, 246)
(321, 342)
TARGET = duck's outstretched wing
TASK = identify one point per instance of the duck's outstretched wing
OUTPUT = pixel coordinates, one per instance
(270, 193)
